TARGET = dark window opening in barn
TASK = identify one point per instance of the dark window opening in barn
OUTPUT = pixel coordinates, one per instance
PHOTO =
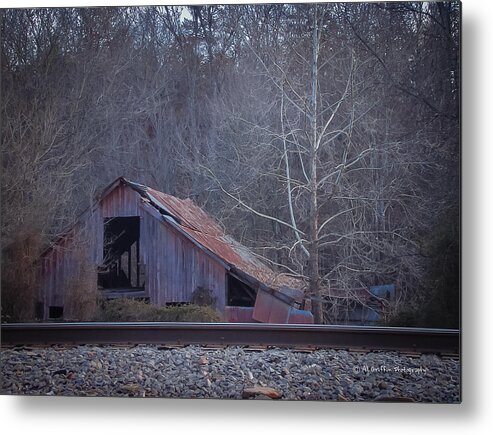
(121, 267)
(239, 293)
(39, 310)
(55, 312)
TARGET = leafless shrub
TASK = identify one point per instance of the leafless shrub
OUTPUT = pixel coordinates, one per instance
(82, 295)
(203, 297)
(19, 272)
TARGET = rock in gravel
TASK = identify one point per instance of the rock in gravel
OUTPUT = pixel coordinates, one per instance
(390, 398)
(203, 360)
(383, 385)
(261, 391)
(356, 389)
(131, 388)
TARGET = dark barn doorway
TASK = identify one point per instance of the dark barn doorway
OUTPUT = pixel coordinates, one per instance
(121, 267)
(239, 293)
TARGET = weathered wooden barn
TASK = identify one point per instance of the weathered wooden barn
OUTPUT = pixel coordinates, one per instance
(145, 243)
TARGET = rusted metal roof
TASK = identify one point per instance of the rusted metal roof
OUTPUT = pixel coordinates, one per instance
(204, 230)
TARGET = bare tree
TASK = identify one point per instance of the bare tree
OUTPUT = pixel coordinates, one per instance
(351, 181)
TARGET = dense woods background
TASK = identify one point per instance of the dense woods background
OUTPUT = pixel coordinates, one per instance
(324, 137)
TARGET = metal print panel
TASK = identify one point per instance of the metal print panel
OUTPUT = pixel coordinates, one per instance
(255, 201)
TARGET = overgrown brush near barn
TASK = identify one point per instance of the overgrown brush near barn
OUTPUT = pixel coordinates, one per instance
(19, 271)
(130, 310)
(82, 295)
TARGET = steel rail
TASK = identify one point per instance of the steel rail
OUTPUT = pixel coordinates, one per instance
(242, 334)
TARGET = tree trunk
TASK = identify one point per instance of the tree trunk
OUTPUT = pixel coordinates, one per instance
(313, 262)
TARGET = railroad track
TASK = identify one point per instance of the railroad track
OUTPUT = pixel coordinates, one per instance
(441, 341)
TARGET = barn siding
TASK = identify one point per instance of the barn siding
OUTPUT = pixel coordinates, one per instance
(174, 266)
(60, 265)
(184, 267)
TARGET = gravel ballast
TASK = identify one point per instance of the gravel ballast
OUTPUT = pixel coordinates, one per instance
(229, 373)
